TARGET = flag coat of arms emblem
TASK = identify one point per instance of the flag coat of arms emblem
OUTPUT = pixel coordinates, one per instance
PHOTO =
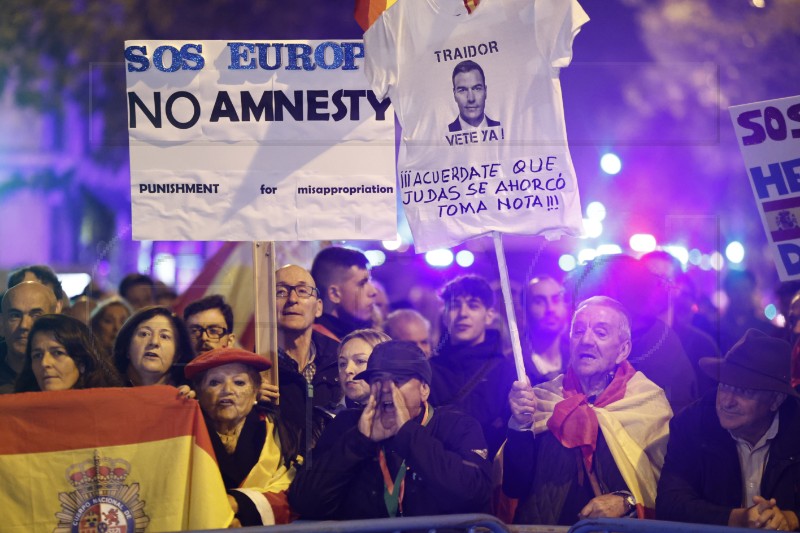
(108, 461)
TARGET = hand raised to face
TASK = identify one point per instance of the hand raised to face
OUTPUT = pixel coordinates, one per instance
(385, 412)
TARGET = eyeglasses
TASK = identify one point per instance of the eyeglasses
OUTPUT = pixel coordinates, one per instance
(303, 291)
(213, 332)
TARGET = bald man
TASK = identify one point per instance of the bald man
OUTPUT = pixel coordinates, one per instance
(21, 306)
(410, 325)
(308, 375)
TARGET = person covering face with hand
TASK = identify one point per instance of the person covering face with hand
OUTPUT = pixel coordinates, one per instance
(431, 461)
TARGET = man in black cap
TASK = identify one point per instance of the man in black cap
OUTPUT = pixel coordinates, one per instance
(734, 456)
(397, 457)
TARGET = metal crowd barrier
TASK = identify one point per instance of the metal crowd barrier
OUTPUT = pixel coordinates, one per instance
(469, 523)
(630, 525)
(474, 523)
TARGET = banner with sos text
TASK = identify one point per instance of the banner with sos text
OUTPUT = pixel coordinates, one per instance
(769, 138)
(267, 140)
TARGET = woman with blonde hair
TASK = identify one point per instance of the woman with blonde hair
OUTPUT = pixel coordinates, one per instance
(354, 352)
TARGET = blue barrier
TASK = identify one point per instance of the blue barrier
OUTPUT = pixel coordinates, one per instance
(462, 522)
(629, 525)
(470, 523)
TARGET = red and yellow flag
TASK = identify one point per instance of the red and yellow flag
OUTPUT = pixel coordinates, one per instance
(107, 460)
(368, 11)
(229, 273)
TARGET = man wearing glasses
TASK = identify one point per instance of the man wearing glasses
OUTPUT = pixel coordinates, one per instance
(210, 323)
(308, 375)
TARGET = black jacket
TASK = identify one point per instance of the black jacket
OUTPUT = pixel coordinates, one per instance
(657, 352)
(550, 480)
(339, 327)
(487, 402)
(301, 406)
(447, 471)
(7, 374)
(702, 481)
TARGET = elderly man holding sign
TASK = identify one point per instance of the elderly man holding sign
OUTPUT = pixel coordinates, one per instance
(591, 442)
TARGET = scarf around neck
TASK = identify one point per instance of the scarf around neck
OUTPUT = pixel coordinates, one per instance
(574, 423)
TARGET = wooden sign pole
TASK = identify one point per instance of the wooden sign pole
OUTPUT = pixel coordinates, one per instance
(266, 323)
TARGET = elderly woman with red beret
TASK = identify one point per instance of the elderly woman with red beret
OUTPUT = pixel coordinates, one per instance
(246, 440)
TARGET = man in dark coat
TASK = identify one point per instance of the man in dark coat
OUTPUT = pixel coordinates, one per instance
(734, 456)
(470, 372)
(590, 443)
(308, 372)
(21, 305)
(399, 456)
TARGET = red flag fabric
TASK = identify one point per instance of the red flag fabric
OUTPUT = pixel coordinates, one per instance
(574, 423)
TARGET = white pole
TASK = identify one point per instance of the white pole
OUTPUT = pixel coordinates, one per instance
(509, 301)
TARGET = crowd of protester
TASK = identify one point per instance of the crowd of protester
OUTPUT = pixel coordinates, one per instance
(635, 403)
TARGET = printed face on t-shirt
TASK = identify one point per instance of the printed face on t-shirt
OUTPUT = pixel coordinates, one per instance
(469, 91)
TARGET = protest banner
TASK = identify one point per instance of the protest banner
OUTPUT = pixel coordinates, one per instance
(769, 138)
(257, 141)
(123, 459)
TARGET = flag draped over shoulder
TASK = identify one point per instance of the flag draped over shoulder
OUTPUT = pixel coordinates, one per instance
(635, 426)
(110, 460)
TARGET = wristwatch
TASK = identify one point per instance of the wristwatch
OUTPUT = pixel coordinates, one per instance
(629, 500)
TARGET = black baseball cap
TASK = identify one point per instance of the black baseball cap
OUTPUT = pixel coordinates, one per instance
(402, 359)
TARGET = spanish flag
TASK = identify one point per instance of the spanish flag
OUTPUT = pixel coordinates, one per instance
(107, 461)
(368, 11)
(229, 273)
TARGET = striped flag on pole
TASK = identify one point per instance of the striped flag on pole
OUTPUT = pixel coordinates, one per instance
(107, 461)
(229, 273)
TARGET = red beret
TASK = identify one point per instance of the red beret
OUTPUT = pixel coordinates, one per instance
(225, 356)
